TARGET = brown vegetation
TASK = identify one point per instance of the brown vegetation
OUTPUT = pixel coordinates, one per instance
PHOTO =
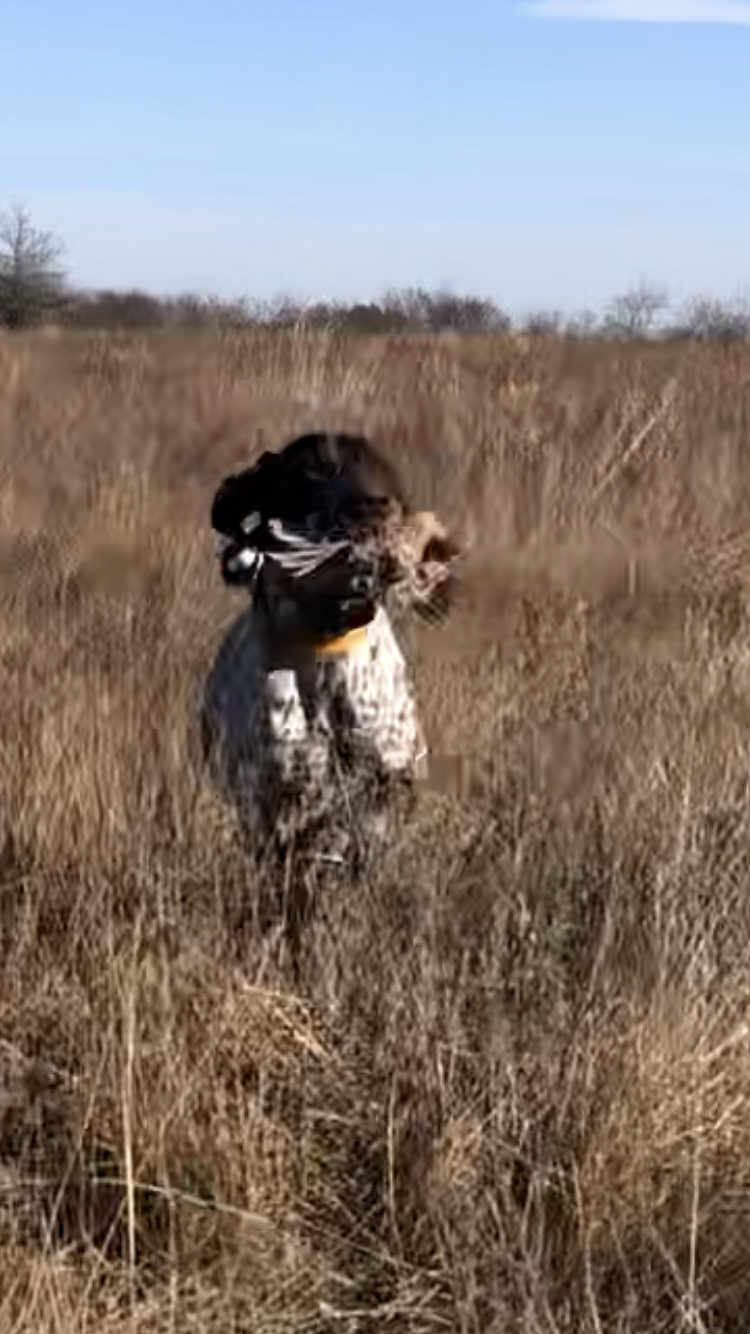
(515, 1091)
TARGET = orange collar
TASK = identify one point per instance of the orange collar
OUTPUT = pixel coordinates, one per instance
(343, 644)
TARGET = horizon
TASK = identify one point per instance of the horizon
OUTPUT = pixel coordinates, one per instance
(696, 310)
(544, 155)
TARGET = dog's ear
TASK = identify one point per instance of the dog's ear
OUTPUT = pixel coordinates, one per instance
(243, 493)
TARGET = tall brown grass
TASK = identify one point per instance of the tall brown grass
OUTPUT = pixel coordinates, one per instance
(514, 1094)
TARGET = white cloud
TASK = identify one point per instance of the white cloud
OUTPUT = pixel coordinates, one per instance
(642, 11)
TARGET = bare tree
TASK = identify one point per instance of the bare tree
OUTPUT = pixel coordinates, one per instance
(633, 314)
(444, 312)
(710, 320)
(32, 281)
(582, 324)
(543, 323)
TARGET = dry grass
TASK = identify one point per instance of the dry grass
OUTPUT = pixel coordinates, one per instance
(515, 1095)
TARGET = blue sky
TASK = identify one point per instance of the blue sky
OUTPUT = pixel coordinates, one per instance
(547, 154)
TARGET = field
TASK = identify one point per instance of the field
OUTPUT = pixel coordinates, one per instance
(514, 1093)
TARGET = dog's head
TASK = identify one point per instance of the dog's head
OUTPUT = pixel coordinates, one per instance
(349, 469)
(338, 474)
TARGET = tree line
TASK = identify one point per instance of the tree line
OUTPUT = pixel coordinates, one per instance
(35, 290)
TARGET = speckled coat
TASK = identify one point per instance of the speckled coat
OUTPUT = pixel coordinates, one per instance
(311, 749)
